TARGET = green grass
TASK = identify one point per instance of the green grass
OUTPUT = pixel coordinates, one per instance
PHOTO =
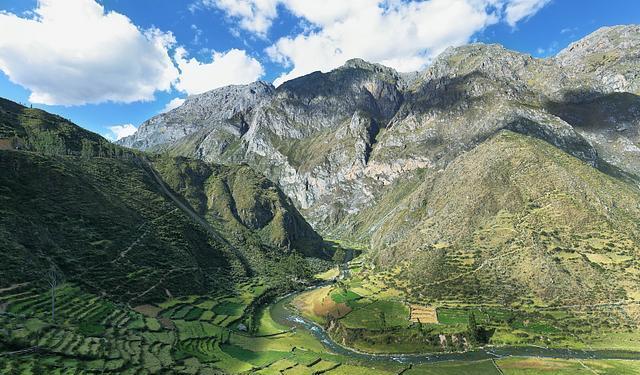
(521, 366)
(455, 368)
(342, 296)
(455, 316)
(380, 314)
(256, 358)
(196, 329)
(228, 308)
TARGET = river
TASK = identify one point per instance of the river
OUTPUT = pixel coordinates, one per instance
(283, 313)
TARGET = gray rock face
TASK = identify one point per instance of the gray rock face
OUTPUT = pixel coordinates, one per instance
(336, 141)
(611, 55)
(227, 109)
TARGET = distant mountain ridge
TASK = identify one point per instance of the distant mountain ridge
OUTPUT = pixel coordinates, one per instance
(367, 153)
(361, 126)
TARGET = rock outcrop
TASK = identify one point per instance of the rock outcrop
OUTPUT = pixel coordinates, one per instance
(336, 141)
(489, 159)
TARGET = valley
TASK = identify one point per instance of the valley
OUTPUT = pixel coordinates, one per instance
(479, 217)
(249, 330)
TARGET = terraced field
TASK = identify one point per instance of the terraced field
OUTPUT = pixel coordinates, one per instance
(203, 335)
(92, 334)
(373, 311)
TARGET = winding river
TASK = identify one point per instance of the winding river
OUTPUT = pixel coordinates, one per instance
(282, 313)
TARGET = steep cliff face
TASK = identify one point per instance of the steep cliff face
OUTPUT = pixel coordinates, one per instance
(335, 142)
(313, 135)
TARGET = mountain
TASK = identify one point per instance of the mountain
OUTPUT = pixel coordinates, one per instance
(516, 216)
(415, 162)
(131, 227)
(333, 141)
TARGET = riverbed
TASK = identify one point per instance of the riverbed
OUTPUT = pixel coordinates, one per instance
(284, 314)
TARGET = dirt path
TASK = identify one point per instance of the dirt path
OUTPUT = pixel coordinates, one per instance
(148, 226)
(12, 287)
(146, 164)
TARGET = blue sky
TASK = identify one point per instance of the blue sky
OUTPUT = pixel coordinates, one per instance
(109, 63)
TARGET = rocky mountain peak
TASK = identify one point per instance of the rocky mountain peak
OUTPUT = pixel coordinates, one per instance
(623, 38)
(610, 54)
(228, 108)
(335, 141)
(240, 92)
(490, 60)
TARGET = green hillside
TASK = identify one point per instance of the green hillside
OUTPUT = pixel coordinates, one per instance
(39, 131)
(243, 202)
(107, 221)
(514, 219)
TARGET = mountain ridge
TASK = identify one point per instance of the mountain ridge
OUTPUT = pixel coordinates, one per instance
(361, 151)
(117, 223)
(289, 119)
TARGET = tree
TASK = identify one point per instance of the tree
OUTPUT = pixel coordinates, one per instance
(87, 149)
(54, 279)
(48, 143)
(472, 328)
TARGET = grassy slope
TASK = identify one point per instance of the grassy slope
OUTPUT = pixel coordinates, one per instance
(105, 224)
(243, 202)
(544, 224)
(43, 132)
(92, 209)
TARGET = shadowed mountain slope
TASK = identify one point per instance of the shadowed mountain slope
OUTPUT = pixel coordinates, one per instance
(105, 218)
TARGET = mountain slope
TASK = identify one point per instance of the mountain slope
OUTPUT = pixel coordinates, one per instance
(241, 201)
(416, 163)
(108, 221)
(334, 141)
(539, 223)
(36, 130)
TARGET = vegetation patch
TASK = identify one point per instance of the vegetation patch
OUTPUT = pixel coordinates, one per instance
(344, 296)
(148, 310)
(228, 308)
(381, 314)
(320, 306)
(423, 314)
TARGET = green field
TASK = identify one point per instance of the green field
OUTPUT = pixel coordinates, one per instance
(378, 315)
(192, 335)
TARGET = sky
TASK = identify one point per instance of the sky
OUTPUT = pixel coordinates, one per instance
(109, 65)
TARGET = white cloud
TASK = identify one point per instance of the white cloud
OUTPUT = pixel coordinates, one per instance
(173, 104)
(254, 15)
(517, 10)
(72, 52)
(121, 131)
(231, 67)
(405, 35)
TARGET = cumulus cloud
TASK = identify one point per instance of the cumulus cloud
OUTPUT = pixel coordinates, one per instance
(225, 68)
(517, 10)
(73, 52)
(173, 104)
(254, 15)
(405, 35)
(120, 131)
